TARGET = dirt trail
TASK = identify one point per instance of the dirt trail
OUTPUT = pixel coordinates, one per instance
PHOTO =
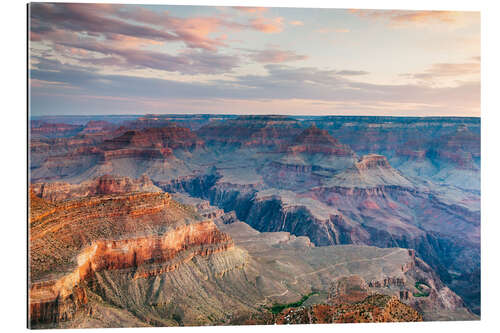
(283, 282)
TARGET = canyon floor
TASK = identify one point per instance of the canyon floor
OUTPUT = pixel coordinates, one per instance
(225, 220)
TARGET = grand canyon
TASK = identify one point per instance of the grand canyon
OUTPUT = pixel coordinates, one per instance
(212, 165)
(186, 220)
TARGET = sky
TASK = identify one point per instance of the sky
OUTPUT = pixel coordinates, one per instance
(96, 59)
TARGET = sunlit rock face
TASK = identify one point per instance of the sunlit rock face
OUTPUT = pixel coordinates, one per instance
(73, 241)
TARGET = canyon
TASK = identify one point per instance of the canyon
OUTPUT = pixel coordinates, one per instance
(152, 260)
(196, 220)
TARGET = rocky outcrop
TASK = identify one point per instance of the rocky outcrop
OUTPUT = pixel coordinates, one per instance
(348, 289)
(52, 130)
(98, 126)
(460, 148)
(71, 242)
(438, 294)
(165, 137)
(107, 184)
(252, 131)
(387, 282)
(317, 141)
(372, 309)
(88, 153)
(149, 143)
(372, 161)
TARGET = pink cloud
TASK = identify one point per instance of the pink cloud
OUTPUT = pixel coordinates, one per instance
(193, 31)
(252, 10)
(417, 16)
(133, 42)
(426, 16)
(137, 26)
(296, 23)
(441, 70)
(116, 24)
(268, 25)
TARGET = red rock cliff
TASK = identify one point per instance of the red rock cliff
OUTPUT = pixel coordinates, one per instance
(107, 184)
(317, 141)
(72, 241)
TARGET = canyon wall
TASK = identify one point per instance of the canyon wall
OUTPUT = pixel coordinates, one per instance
(71, 242)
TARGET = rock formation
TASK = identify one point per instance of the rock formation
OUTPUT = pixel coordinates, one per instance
(250, 131)
(348, 289)
(72, 241)
(53, 130)
(416, 185)
(107, 184)
(372, 309)
(317, 141)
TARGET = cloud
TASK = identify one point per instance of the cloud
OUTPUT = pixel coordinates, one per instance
(252, 10)
(281, 85)
(120, 36)
(275, 56)
(352, 73)
(426, 16)
(132, 24)
(268, 25)
(296, 23)
(89, 19)
(35, 83)
(186, 62)
(446, 70)
(192, 31)
(402, 17)
(77, 46)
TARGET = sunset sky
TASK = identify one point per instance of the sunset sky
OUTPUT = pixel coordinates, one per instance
(88, 59)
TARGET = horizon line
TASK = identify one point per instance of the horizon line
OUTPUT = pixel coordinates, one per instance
(245, 114)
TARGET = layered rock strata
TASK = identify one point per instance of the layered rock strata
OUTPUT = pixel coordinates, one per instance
(72, 241)
(106, 184)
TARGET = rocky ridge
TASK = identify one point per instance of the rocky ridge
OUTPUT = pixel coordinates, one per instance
(106, 184)
(317, 141)
(73, 241)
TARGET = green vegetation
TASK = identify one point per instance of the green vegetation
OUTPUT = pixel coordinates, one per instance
(422, 292)
(277, 307)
